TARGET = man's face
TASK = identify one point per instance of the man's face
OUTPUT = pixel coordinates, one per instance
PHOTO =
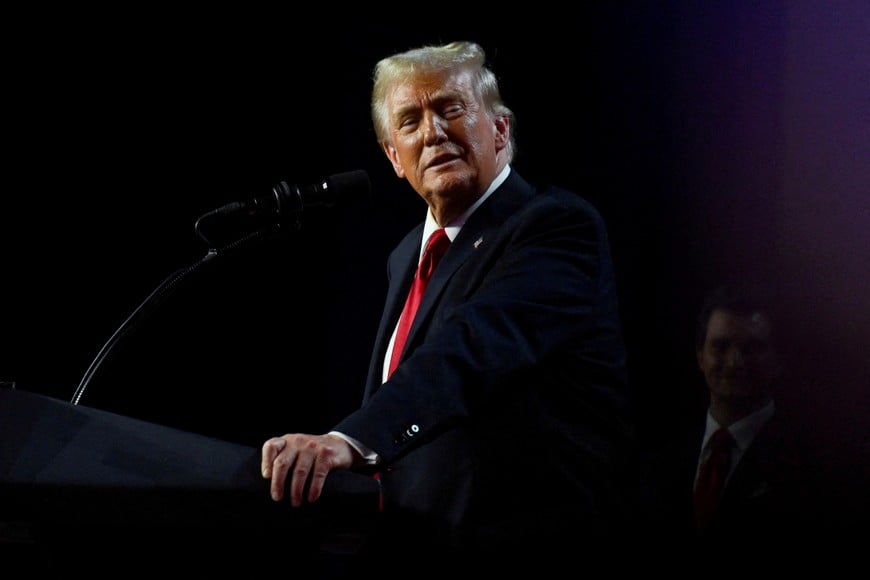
(737, 358)
(441, 138)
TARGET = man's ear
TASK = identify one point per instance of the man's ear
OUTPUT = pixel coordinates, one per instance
(502, 131)
(393, 156)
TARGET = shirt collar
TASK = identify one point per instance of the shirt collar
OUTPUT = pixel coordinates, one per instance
(744, 430)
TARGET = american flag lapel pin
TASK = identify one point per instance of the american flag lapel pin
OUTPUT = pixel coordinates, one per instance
(477, 242)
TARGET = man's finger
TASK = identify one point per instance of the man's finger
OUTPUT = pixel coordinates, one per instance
(270, 451)
(297, 486)
(318, 479)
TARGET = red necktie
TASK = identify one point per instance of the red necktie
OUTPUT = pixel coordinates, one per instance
(711, 478)
(435, 248)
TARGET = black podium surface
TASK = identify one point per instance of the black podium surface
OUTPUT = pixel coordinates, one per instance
(85, 489)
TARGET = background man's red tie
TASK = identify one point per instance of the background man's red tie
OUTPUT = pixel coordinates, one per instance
(435, 248)
(711, 478)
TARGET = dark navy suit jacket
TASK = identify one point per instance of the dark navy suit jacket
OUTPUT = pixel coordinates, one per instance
(507, 421)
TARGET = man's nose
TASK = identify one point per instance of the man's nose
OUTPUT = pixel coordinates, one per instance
(434, 129)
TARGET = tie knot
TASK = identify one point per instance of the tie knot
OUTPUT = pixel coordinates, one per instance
(438, 241)
(721, 439)
(435, 248)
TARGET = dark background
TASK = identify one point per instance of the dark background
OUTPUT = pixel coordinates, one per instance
(719, 140)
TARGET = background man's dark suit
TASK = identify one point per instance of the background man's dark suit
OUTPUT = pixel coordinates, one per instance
(458, 397)
(773, 501)
(770, 489)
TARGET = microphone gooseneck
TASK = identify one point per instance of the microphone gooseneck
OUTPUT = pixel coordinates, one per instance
(157, 297)
(285, 201)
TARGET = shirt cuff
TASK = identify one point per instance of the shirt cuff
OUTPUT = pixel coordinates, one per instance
(369, 456)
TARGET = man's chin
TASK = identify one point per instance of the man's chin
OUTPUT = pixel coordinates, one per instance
(738, 392)
(446, 181)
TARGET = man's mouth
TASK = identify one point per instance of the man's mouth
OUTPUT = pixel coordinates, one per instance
(440, 160)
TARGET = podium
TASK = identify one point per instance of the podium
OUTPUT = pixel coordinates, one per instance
(85, 489)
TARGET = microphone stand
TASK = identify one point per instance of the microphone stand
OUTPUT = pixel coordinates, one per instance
(159, 295)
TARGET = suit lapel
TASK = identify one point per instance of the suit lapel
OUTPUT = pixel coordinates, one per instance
(407, 257)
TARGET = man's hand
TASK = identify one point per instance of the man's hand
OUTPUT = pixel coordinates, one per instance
(310, 457)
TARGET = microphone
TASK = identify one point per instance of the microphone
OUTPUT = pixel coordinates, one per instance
(290, 200)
